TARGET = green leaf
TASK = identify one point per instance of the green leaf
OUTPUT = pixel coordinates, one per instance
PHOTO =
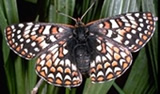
(97, 88)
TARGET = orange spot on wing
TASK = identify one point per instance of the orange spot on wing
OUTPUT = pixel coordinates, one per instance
(60, 69)
(144, 37)
(128, 59)
(43, 74)
(61, 52)
(38, 60)
(54, 30)
(128, 29)
(150, 18)
(148, 33)
(119, 22)
(93, 79)
(18, 48)
(149, 14)
(23, 52)
(110, 76)
(9, 32)
(33, 37)
(13, 46)
(9, 37)
(67, 70)
(107, 25)
(99, 66)
(125, 65)
(50, 80)
(117, 56)
(10, 42)
(135, 47)
(49, 63)
(38, 68)
(40, 39)
(41, 30)
(116, 49)
(151, 28)
(151, 22)
(118, 73)
(8, 29)
(103, 48)
(67, 82)
(100, 79)
(58, 81)
(122, 32)
(52, 69)
(48, 56)
(140, 42)
(74, 73)
(114, 63)
(106, 65)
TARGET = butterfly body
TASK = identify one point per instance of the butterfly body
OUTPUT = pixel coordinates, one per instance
(102, 49)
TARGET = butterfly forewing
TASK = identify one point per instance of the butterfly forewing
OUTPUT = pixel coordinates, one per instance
(30, 39)
(131, 30)
(111, 61)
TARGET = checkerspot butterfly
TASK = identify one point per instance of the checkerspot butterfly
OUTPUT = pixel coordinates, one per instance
(100, 48)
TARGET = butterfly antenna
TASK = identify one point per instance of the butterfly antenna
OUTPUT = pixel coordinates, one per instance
(66, 15)
(88, 9)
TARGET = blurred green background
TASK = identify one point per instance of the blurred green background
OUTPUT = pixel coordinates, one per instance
(18, 75)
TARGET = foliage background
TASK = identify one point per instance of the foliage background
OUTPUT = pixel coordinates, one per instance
(18, 75)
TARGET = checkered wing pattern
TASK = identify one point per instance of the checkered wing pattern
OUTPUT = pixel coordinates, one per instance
(31, 39)
(111, 61)
(131, 30)
(117, 37)
(47, 42)
(56, 68)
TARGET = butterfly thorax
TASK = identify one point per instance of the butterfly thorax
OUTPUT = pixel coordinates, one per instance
(81, 32)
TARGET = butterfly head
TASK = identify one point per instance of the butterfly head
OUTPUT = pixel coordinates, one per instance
(79, 23)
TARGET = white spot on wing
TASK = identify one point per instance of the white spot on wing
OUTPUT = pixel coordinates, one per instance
(129, 36)
(67, 63)
(100, 73)
(114, 23)
(59, 76)
(60, 29)
(52, 38)
(100, 25)
(108, 71)
(92, 64)
(98, 59)
(20, 25)
(109, 56)
(47, 30)
(67, 77)
(136, 14)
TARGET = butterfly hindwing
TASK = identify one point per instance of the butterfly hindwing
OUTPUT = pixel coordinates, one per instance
(131, 30)
(30, 39)
(110, 62)
(56, 67)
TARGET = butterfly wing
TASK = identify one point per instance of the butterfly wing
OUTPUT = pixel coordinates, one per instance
(47, 42)
(116, 38)
(132, 30)
(111, 61)
(31, 39)
(56, 67)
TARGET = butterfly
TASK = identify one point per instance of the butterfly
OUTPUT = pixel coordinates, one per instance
(64, 53)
